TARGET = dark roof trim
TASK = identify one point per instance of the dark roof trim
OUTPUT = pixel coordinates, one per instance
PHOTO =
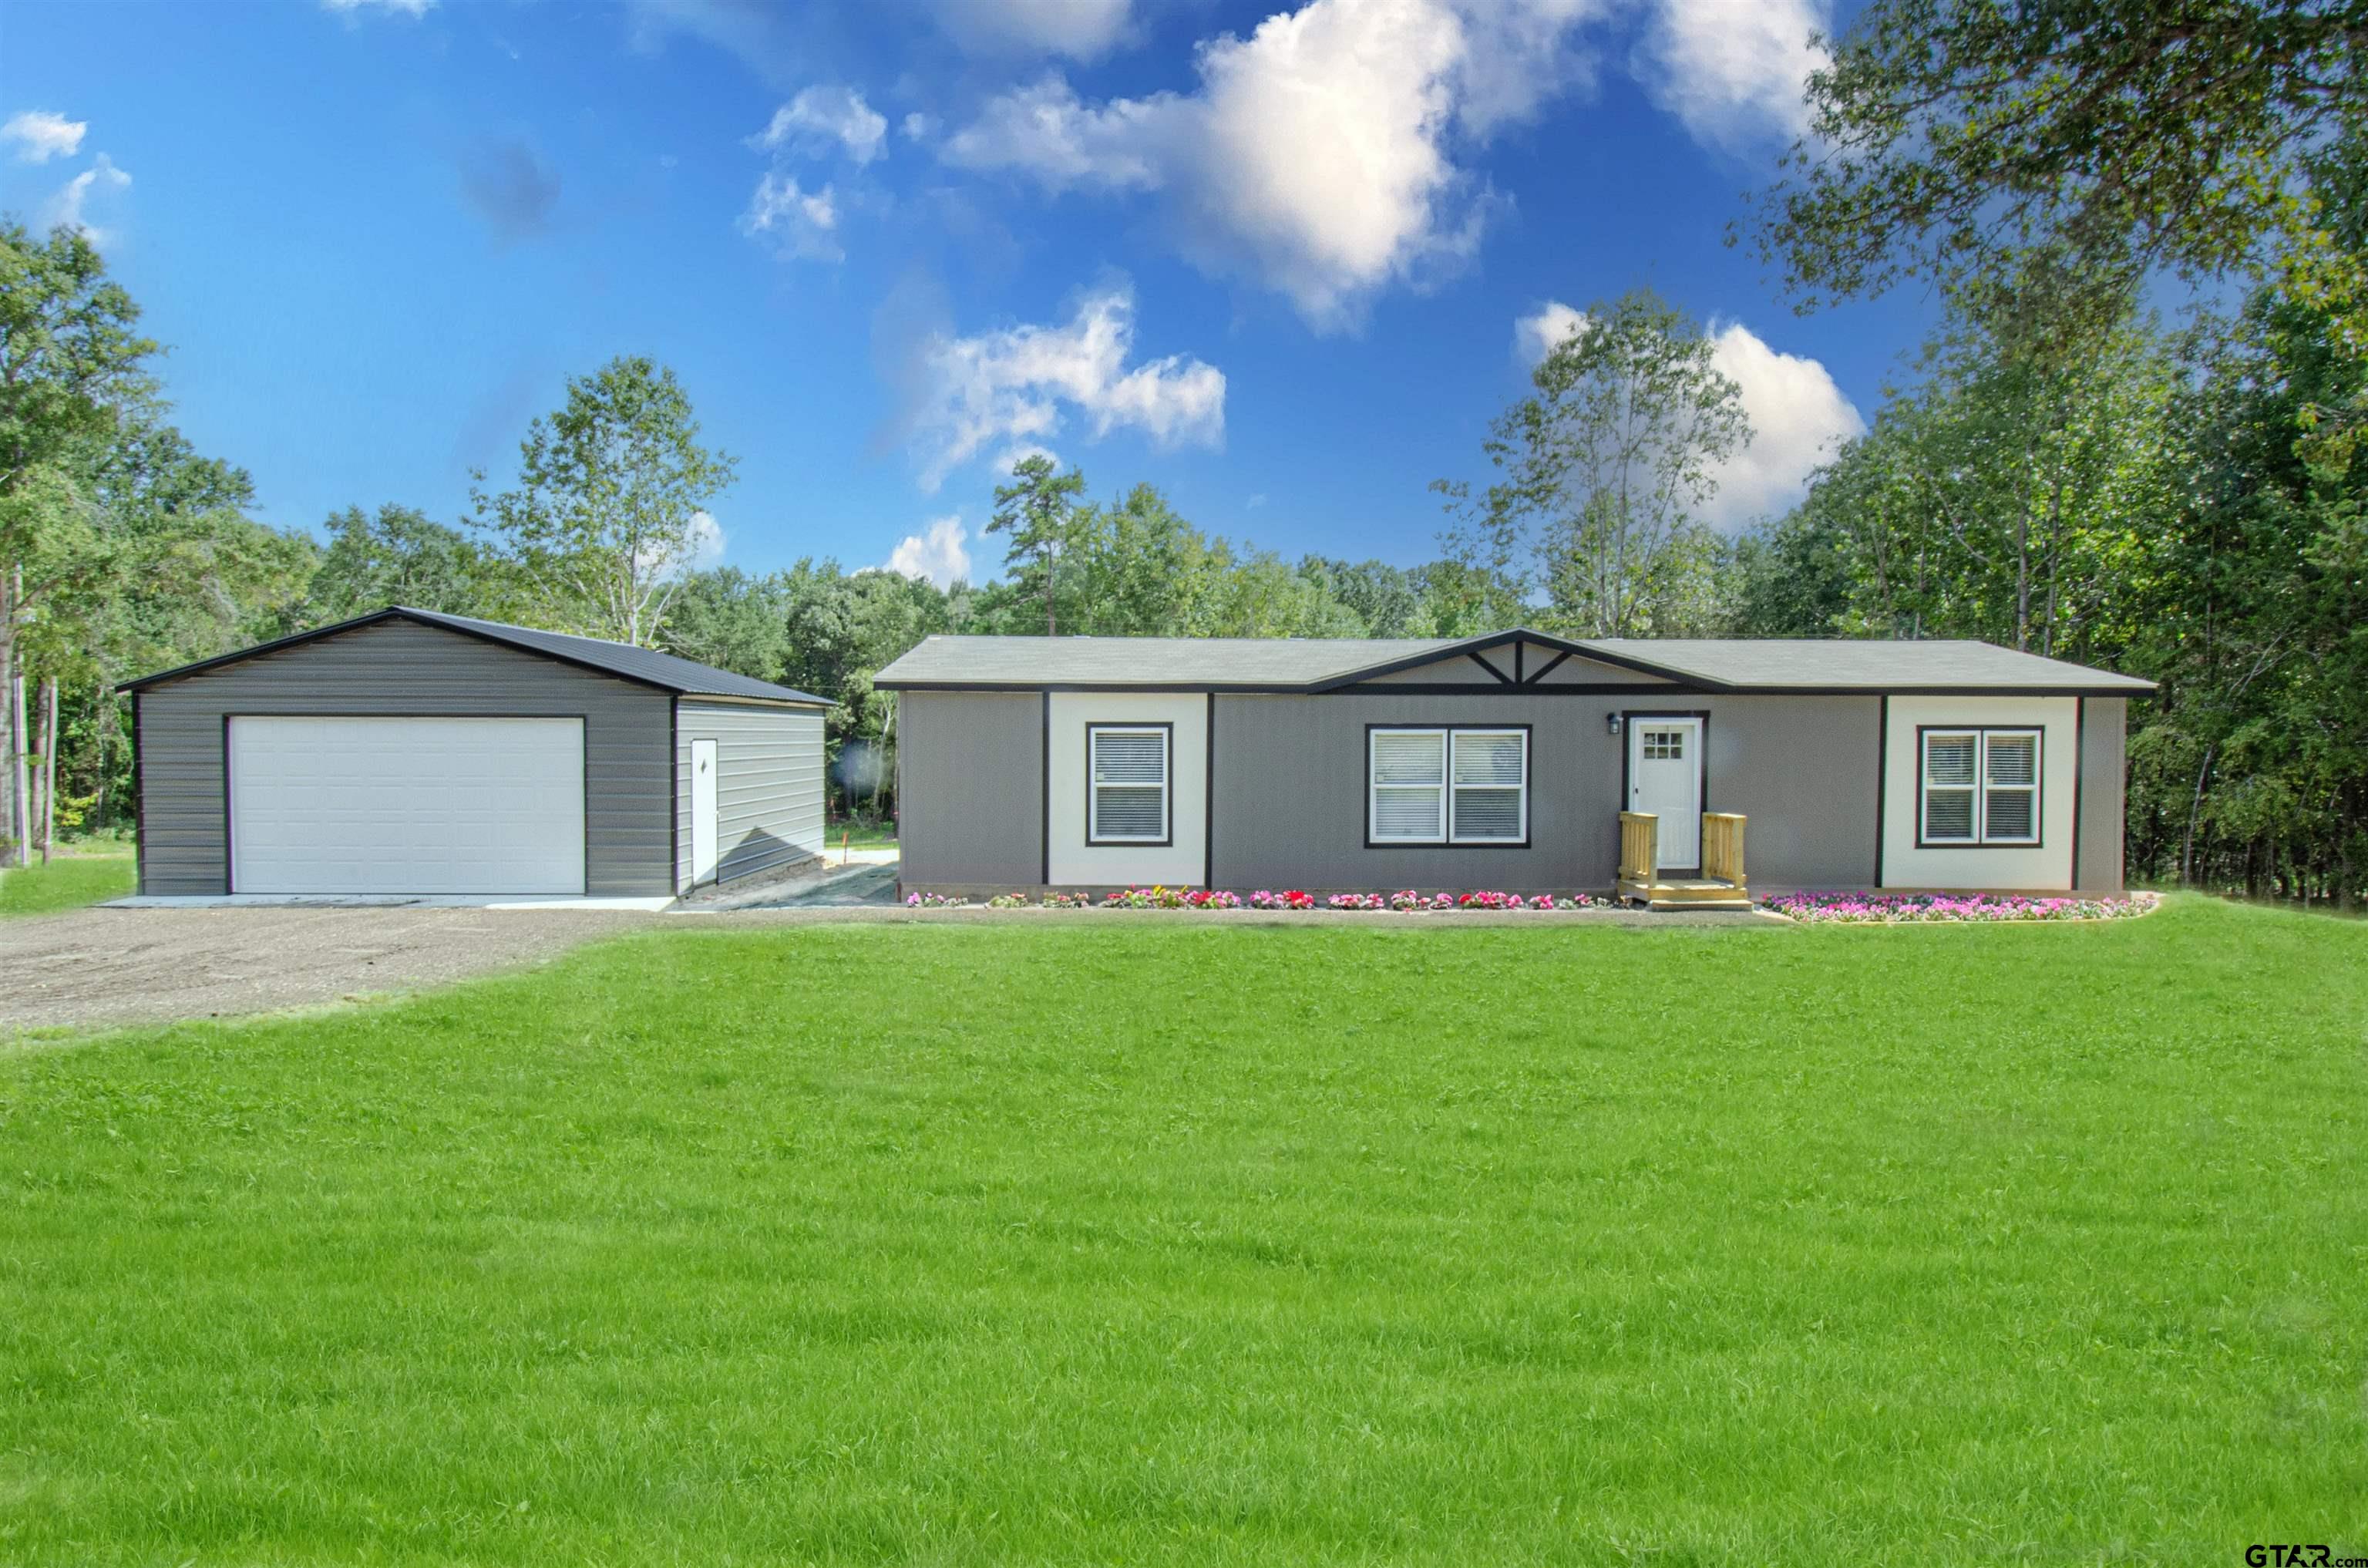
(1527, 689)
(458, 626)
(1472, 647)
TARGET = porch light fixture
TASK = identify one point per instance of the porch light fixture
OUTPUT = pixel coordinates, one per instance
(1611, 723)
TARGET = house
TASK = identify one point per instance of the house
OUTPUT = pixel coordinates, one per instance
(1516, 760)
(411, 752)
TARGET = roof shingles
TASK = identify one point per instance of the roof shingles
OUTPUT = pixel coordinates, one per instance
(1764, 664)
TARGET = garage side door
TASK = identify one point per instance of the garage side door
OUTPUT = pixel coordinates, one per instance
(405, 806)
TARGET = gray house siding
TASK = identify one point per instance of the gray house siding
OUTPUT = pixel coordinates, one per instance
(970, 791)
(402, 667)
(2104, 740)
(1291, 789)
(1806, 771)
(769, 786)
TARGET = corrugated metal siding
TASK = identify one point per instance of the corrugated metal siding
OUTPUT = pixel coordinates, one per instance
(2104, 742)
(769, 786)
(402, 667)
(1291, 783)
(971, 810)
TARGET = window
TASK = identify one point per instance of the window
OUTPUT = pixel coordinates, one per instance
(1979, 786)
(1664, 746)
(1409, 771)
(1447, 786)
(1491, 792)
(1127, 775)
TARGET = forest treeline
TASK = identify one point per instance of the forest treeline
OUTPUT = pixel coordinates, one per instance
(2172, 492)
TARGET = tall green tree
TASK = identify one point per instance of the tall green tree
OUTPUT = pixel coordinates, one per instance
(1607, 466)
(2058, 151)
(1038, 510)
(609, 510)
(400, 556)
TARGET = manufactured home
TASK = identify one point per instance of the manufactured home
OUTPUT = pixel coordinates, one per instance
(416, 753)
(1675, 771)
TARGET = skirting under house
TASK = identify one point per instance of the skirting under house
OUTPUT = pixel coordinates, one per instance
(1675, 771)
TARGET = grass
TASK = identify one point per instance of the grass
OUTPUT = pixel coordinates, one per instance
(68, 881)
(1200, 1244)
(861, 835)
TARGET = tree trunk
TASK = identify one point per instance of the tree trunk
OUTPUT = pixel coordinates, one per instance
(887, 744)
(13, 838)
(49, 767)
(21, 827)
(2195, 810)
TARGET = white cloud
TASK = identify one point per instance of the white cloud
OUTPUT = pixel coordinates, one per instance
(919, 127)
(414, 8)
(937, 553)
(1016, 386)
(41, 135)
(1315, 155)
(1078, 29)
(1737, 71)
(801, 223)
(820, 116)
(1537, 334)
(703, 548)
(1798, 417)
(70, 207)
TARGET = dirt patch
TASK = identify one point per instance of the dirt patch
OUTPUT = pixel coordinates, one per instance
(107, 968)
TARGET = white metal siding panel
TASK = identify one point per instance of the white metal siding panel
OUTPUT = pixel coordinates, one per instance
(1181, 862)
(769, 786)
(2043, 867)
(406, 805)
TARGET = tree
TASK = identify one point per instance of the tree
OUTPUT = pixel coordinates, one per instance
(400, 557)
(732, 620)
(1038, 509)
(2060, 150)
(611, 505)
(1606, 465)
(69, 355)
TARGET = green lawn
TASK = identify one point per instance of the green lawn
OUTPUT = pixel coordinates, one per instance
(861, 835)
(68, 881)
(1393, 1242)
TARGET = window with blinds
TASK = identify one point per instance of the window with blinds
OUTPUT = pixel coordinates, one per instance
(1979, 786)
(1490, 797)
(1127, 773)
(1447, 786)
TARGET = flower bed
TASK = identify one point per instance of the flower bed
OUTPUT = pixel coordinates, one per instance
(1405, 902)
(1920, 908)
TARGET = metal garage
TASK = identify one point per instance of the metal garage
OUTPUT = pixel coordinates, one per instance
(415, 753)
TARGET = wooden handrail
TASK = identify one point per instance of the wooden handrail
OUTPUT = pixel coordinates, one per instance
(1640, 836)
(1722, 847)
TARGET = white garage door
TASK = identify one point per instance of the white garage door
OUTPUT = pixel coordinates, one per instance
(406, 805)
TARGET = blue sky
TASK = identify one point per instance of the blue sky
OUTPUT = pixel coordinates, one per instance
(1277, 263)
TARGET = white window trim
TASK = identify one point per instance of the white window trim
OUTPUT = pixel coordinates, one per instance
(1373, 834)
(1447, 787)
(1453, 737)
(1167, 833)
(1981, 786)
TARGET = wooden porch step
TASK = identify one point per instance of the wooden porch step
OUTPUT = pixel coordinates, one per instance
(1684, 893)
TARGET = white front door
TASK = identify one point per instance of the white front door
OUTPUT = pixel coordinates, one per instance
(405, 806)
(703, 812)
(1665, 778)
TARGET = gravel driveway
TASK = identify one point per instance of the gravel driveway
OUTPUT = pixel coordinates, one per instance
(104, 968)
